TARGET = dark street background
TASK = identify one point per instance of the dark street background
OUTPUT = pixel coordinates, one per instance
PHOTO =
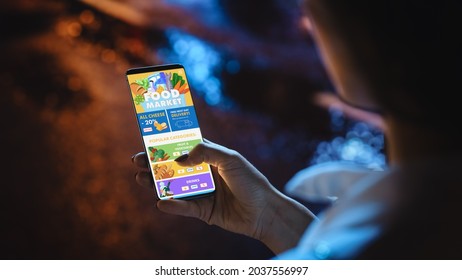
(68, 129)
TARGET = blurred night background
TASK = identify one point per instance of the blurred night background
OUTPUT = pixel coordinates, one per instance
(68, 129)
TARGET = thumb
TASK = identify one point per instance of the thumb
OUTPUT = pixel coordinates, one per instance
(212, 154)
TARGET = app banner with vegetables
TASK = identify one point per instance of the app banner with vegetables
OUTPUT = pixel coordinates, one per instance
(159, 90)
(171, 151)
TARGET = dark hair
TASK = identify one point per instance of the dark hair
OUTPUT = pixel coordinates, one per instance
(408, 50)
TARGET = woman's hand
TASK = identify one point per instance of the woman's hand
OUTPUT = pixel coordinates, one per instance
(244, 202)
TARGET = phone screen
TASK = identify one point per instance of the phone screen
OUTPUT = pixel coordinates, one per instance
(169, 128)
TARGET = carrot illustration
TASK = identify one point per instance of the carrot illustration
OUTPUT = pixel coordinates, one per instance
(137, 89)
(177, 86)
(183, 88)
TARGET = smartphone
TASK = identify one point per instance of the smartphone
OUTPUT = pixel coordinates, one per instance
(169, 128)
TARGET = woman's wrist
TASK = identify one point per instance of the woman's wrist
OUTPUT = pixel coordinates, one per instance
(284, 222)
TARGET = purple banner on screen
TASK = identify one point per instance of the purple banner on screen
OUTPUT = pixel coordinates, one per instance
(185, 185)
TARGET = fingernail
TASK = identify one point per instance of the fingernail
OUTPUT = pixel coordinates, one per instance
(182, 158)
(133, 158)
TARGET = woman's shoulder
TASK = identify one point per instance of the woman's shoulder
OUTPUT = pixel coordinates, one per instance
(395, 213)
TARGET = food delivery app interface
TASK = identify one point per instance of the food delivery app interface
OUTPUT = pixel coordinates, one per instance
(169, 126)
